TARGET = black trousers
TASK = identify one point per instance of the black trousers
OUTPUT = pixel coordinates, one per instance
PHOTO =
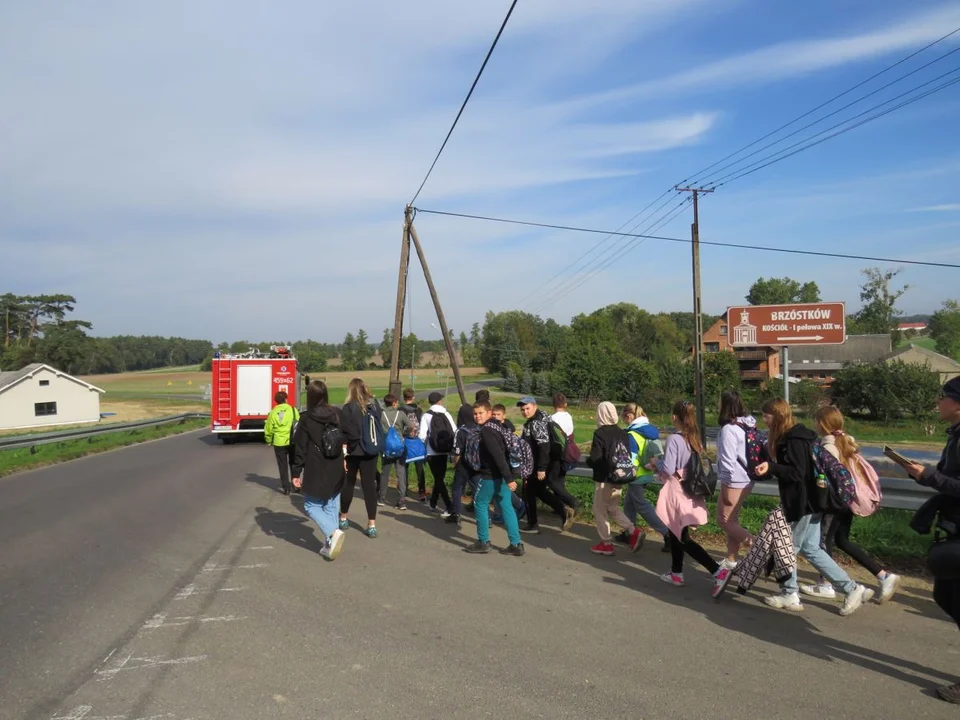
(366, 467)
(946, 593)
(421, 476)
(533, 490)
(836, 534)
(557, 480)
(438, 468)
(283, 464)
(686, 544)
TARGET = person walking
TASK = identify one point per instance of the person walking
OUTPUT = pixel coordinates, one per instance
(494, 482)
(318, 466)
(735, 482)
(415, 413)
(437, 430)
(359, 461)
(943, 558)
(679, 511)
(396, 419)
(277, 431)
(645, 447)
(610, 443)
(790, 446)
(536, 432)
(463, 473)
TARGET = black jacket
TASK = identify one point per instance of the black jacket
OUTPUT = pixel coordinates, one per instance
(945, 478)
(494, 462)
(605, 439)
(793, 470)
(322, 476)
(536, 431)
(351, 424)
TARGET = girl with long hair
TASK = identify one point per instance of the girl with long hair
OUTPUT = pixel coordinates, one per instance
(678, 511)
(836, 526)
(735, 483)
(790, 447)
(358, 462)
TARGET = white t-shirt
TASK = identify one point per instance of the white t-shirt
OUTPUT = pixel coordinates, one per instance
(564, 420)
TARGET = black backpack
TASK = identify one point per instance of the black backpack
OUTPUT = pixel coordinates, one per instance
(700, 477)
(441, 431)
(330, 445)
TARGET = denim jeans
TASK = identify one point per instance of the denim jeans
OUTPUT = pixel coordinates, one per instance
(806, 542)
(462, 476)
(635, 501)
(325, 513)
(497, 490)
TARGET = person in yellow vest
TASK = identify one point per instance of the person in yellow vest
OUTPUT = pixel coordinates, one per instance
(645, 447)
(278, 432)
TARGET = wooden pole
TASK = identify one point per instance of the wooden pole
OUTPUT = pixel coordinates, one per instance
(443, 323)
(395, 384)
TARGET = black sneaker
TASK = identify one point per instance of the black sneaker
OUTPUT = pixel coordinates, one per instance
(513, 550)
(478, 548)
(401, 506)
(452, 519)
(531, 530)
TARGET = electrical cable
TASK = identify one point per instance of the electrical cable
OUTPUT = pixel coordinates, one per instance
(466, 100)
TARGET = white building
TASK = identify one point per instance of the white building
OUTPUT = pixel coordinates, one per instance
(39, 395)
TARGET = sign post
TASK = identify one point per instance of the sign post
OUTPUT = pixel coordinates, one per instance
(786, 325)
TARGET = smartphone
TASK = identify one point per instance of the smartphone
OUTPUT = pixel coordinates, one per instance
(897, 457)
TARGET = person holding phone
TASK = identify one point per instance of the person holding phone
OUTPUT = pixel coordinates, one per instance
(945, 479)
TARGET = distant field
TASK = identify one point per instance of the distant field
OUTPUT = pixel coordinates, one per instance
(924, 342)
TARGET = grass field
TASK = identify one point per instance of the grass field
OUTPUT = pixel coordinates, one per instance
(924, 342)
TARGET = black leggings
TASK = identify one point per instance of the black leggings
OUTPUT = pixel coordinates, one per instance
(556, 481)
(686, 544)
(946, 593)
(438, 468)
(836, 533)
(367, 467)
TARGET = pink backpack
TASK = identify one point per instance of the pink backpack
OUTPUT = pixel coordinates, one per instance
(869, 493)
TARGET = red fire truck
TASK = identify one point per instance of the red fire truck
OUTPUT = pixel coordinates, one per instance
(243, 388)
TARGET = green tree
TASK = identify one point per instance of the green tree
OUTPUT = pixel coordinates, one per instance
(588, 364)
(879, 312)
(541, 384)
(635, 380)
(526, 382)
(385, 350)
(782, 291)
(945, 329)
(721, 372)
(511, 383)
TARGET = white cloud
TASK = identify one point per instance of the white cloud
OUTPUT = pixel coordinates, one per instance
(947, 207)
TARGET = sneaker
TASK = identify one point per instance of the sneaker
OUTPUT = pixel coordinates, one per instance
(854, 600)
(729, 564)
(531, 530)
(819, 590)
(335, 545)
(636, 539)
(401, 506)
(381, 503)
(344, 524)
(950, 693)
(423, 497)
(451, 518)
(623, 537)
(516, 550)
(888, 587)
(478, 548)
(867, 595)
(672, 578)
(371, 532)
(721, 579)
(785, 601)
(570, 514)
(603, 548)
(445, 514)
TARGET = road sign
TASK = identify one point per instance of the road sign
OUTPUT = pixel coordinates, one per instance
(797, 324)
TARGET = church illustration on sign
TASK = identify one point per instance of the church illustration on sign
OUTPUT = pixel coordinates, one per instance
(745, 333)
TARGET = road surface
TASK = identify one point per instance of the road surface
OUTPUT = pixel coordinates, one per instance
(172, 580)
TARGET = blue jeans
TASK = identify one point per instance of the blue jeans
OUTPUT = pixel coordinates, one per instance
(462, 476)
(635, 501)
(495, 489)
(325, 513)
(806, 542)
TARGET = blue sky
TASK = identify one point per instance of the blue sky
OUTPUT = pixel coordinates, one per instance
(239, 170)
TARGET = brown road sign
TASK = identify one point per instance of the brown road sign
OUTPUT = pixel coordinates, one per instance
(798, 324)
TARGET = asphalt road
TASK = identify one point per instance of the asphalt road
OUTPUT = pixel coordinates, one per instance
(172, 580)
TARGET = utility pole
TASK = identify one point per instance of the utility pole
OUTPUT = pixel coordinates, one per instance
(697, 314)
(395, 384)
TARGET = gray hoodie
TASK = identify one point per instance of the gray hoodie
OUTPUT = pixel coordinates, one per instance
(732, 453)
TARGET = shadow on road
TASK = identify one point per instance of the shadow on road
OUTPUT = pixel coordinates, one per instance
(271, 483)
(295, 529)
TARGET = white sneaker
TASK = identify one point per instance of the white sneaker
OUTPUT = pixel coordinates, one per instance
(445, 514)
(785, 601)
(729, 564)
(671, 578)
(821, 591)
(335, 545)
(888, 586)
(855, 599)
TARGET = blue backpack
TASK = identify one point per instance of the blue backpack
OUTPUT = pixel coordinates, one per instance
(393, 445)
(371, 425)
(841, 488)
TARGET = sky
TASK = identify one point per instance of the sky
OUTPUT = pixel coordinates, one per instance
(230, 171)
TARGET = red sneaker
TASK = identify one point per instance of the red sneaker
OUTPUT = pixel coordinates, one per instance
(636, 539)
(604, 548)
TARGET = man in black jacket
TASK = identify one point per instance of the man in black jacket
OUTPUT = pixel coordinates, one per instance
(494, 482)
(536, 431)
(945, 479)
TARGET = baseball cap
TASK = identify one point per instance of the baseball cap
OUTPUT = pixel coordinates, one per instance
(526, 400)
(435, 397)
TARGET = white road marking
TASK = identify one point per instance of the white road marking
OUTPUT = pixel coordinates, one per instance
(186, 592)
(160, 620)
(82, 712)
(214, 568)
(129, 662)
(263, 547)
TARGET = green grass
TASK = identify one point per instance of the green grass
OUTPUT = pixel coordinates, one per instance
(924, 342)
(22, 459)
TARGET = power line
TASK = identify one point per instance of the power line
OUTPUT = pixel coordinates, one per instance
(822, 105)
(763, 248)
(466, 99)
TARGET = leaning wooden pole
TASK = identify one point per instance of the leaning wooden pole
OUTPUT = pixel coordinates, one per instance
(436, 303)
(395, 385)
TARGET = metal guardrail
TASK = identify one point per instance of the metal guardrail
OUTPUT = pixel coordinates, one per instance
(23, 441)
(900, 493)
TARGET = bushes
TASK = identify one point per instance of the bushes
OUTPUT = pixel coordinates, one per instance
(887, 391)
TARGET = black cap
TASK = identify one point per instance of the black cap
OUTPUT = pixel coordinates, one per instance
(435, 397)
(952, 389)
